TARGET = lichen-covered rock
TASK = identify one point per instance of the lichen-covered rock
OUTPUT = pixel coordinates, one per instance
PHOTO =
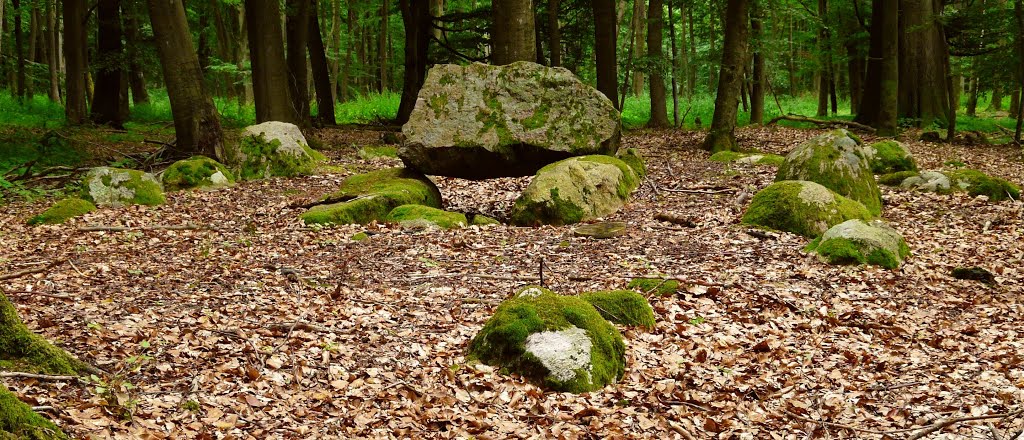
(747, 158)
(837, 161)
(62, 211)
(977, 183)
(418, 216)
(560, 342)
(860, 242)
(889, 156)
(574, 190)
(654, 285)
(482, 121)
(363, 198)
(196, 172)
(801, 207)
(272, 149)
(117, 187)
(897, 178)
(624, 307)
(930, 181)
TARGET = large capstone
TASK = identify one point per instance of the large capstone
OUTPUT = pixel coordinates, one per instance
(271, 149)
(368, 197)
(860, 242)
(837, 161)
(482, 121)
(116, 187)
(575, 190)
(560, 342)
(801, 207)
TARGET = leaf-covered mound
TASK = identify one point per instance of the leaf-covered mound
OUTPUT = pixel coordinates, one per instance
(800, 207)
(196, 172)
(837, 161)
(63, 210)
(860, 242)
(624, 307)
(363, 198)
(574, 190)
(117, 187)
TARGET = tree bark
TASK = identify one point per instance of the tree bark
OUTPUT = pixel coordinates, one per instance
(19, 51)
(321, 71)
(972, 97)
(52, 51)
(825, 72)
(691, 80)
(269, 71)
(416, 16)
(196, 123)
(879, 103)
(1018, 14)
(32, 56)
(722, 135)
(995, 103)
(1014, 103)
(922, 46)
(110, 96)
(136, 80)
(297, 29)
(335, 48)
(791, 62)
(75, 62)
(655, 22)
(605, 36)
(512, 37)
(638, 43)
(554, 34)
(674, 70)
(757, 77)
(382, 46)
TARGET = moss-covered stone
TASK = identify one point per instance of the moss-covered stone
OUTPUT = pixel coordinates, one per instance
(977, 183)
(359, 236)
(62, 211)
(897, 178)
(117, 187)
(196, 172)
(372, 152)
(363, 198)
(574, 190)
(654, 285)
(837, 161)
(483, 220)
(19, 422)
(624, 307)
(632, 158)
(890, 156)
(860, 242)
(929, 181)
(560, 342)
(801, 207)
(272, 149)
(419, 214)
(752, 158)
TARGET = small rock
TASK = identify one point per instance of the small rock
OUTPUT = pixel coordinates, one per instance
(974, 273)
(601, 230)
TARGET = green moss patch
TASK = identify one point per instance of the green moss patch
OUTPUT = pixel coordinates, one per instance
(624, 307)
(372, 152)
(654, 285)
(752, 158)
(63, 210)
(897, 178)
(837, 161)
(262, 158)
(575, 189)
(106, 186)
(19, 422)
(363, 198)
(860, 242)
(483, 220)
(977, 183)
(196, 172)
(890, 156)
(632, 158)
(418, 214)
(800, 207)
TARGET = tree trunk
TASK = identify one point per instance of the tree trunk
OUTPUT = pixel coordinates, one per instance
(196, 123)
(722, 136)
(655, 22)
(675, 66)
(32, 56)
(855, 70)
(691, 81)
(19, 50)
(75, 61)
(297, 29)
(269, 71)
(1018, 14)
(1014, 103)
(996, 102)
(824, 73)
(110, 97)
(136, 80)
(417, 19)
(972, 97)
(791, 64)
(321, 73)
(350, 27)
(757, 77)
(335, 48)
(638, 43)
(922, 46)
(605, 36)
(52, 51)
(512, 37)
(879, 103)
(712, 40)
(382, 45)
(554, 34)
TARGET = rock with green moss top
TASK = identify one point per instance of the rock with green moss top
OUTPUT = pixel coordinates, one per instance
(747, 158)
(272, 149)
(482, 121)
(860, 242)
(632, 158)
(624, 307)
(117, 187)
(483, 220)
(63, 210)
(559, 342)
(575, 190)
(801, 207)
(977, 183)
(416, 215)
(889, 156)
(363, 198)
(837, 161)
(660, 286)
(897, 178)
(196, 172)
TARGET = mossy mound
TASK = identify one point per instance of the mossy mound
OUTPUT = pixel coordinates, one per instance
(752, 158)
(837, 161)
(574, 190)
(363, 198)
(117, 187)
(560, 342)
(890, 156)
(19, 422)
(654, 285)
(63, 210)
(632, 158)
(373, 152)
(419, 214)
(800, 207)
(624, 307)
(196, 172)
(272, 149)
(897, 178)
(860, 242)
(977, 183)
(483, 220)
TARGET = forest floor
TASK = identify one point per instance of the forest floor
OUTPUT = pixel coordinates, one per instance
(252, 325)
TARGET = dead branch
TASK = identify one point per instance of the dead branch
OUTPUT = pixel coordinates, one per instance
(106, 228)
(50, 377)
(701, 191)
(821, 122)
(21, 273)
(675, 219)
(476, 275)
(680, 279)
(954, 420)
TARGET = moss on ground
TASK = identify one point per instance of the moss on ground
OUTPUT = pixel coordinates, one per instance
(800, 207)
(62, 211)
(196, 171)
(483, 220)
(19, 422)
(755, 158)
(419, 213)
(977, 183)
(847, 251)
(890, 157)
(654, 285)
(363, 198)
(897, 178)
(624, 307)
(503, 338)
(371, 152)
(117, 187)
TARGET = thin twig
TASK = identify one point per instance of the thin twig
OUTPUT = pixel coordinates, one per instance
(476, 275)
(39, 376)
(21, 273)
(954, 420)
(106, 228)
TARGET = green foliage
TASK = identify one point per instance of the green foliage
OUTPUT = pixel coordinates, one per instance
(624, 307)
(654, 285)
(63, 210)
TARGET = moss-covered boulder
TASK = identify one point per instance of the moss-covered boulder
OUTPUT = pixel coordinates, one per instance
(837, 161)
(977, 183)
(363, 198)
(196, 172)
(481, 121)
(860, 242)
(801, 207)
(635, 161)
(63, 210)
(560, 342)
(747, 158)
(574, 190)
(897, 178)
(660, 286)
(19, 422)
(117, 187)
(271, 149)
(624, 307)
(419, 216)
(928, 181)
(374, 152)
(889, 156)
(483, 220)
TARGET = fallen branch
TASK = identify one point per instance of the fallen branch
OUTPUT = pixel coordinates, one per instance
(680, 279)
(821, 122)
(106, 228)
(701, 191)
(954, 420)
(675, 219)
(21, 273)
(476, 275)
(50, 377)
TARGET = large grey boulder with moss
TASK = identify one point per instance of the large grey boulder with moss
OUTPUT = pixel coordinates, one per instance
(559, 342)
(837, 161)
(196, 172)
(801, 207)
(575, 190)
(363, 198)
(117, 187)
(482, 121)
(889, 156)
(271, 149)
(861, 242)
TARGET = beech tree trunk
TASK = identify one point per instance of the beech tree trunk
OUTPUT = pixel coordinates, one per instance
(1014, 103)
(269, 71)
(722, 136)
(655, 22)
(75, 62)
(19, 51)
(416, 16)
(924, 63)
(321, 71)
(513, 37)
(638, 43)
(995, 103)
(110, 96)
(757, 77)
(52, 51)
(382, 46)
(554, 34)
(605, 36)
(136, 80)
(297, 28)
(879, 102)
(972, 97)
(825, 72)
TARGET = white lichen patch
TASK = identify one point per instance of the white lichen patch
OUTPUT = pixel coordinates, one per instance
(114, 187)
(564, 353)
(750, 160)
(932, 181)
(814, 194)
(531, 292)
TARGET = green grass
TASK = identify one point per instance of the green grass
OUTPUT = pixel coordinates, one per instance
(637, 110)
(37, 112)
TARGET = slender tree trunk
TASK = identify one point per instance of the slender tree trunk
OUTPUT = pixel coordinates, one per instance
(791, 62)
(922, 49)
(136, 80)
(554, 34)
(321, 72)
(996, 102)
(605, 36)
(3, 27)
(675, 66)
(512, 37)
(19, 50)
(297, 28)
(972, 97)
(52, 51)
(110, 98)
(691, 81)
(757, 77)
(638, 43)
(350, 26)
(855, 70)
(1014, 103)
(269, 70)
(382, 47)
(684, 56)
(824, 73)
(712, 40)
(655, 22)
(75, 61)
(722, 135)
(32, 56)
(1018, 14)
(416, 16)
(878, 105)
(437, 10)
(335, 47)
